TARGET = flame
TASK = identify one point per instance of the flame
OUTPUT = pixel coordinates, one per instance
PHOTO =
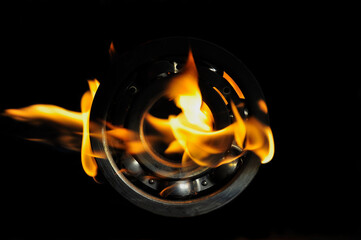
(73, 128)
(221, 95)
(123, 138)
(190, 133)
(39, 113)
(254, 136)
(234, 85)
(111, 50)
(185, 92)
(87, 157)
(260, 140)
(69, 124)
(192, 129)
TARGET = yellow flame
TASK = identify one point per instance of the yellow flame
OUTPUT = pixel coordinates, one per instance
(259, 140)
(240, 127)
(190, 133)
(39, 113)
(87, 157)
(68, 123)
(254, 136)
(192, 129)
(122, 138)
(185, 92)
(221, 95)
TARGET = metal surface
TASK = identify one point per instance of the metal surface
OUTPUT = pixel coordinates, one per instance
(136, 86)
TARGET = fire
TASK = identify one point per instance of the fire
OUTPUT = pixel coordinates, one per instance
(190, 133)
(254, 136)
(192, 129)
(111, 49)
(69, 124)
(125, 139)
(185, 92)
(87, 156)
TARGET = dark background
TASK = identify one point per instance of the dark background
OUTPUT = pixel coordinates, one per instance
(305, 56)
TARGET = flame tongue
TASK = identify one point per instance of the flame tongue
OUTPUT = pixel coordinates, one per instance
(189, 133)
(202, 147)
(193, 128)
(68, 124)
(254, 136)
(87, 157)
(185, 92)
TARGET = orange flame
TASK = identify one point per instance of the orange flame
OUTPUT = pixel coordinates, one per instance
(69, 123)
(111, 50)
(192, 129)
(254, 136)
(122, 138)
(185, 92)
(190, 133)
(87, 157)
(234, 85)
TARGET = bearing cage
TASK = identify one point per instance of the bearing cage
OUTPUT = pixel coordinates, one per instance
(160, 60)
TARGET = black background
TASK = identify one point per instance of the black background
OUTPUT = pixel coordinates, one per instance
(305, 56)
